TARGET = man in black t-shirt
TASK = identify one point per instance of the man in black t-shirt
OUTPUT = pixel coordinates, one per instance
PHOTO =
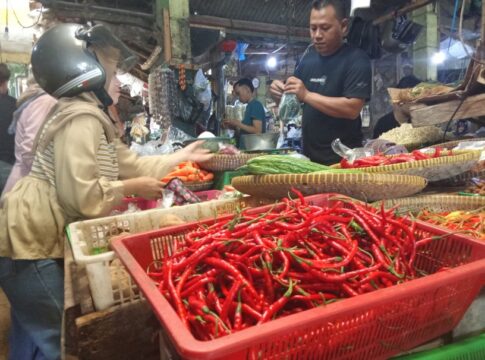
(333, 80)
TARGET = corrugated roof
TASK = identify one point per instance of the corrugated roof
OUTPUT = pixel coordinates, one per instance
(265, 11)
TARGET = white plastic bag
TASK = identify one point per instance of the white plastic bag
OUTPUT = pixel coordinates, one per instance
(202, 89)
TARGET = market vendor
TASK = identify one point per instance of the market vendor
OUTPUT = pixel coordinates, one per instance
(80, 170)
(254, 116)
(333, 81)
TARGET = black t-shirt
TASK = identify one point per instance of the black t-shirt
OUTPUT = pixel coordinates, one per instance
(347, 73)
(7, 141)
(408, 82)
(384, 124)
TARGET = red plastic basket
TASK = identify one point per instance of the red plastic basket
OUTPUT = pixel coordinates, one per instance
(376, 325)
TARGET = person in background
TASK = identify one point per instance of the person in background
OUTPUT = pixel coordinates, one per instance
(388, 121)
(33, 107)
(409, 80)
(81, 170)
(7, 107)
(254, 116)
(333, 81)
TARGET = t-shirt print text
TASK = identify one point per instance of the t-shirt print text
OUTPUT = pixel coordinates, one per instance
(320, 81)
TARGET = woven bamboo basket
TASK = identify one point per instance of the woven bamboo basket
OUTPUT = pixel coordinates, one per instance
(222, 162)
(199, 185)
(435, 169)
(436, 203)
(367, 187)
(451, 144)
(460, 180)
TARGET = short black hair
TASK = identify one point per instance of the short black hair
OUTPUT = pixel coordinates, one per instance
(338, 5)
(4, 73)
(245, 82)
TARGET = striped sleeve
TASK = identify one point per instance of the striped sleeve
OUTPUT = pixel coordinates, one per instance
(81, 188)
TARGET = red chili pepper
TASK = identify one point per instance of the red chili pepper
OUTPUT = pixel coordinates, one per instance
(231, 270)
(175, 296)
(238, 314)
(227, 303)
(276, 306)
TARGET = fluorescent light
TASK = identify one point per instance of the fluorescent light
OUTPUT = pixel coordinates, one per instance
(271, 62)
(438, 58)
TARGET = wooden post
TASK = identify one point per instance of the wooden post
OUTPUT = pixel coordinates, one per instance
(167, 37)
(427, 44)
(180, 30)
(161, 6)
(172, 19)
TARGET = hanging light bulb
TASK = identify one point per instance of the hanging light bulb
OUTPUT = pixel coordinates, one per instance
(271, 63)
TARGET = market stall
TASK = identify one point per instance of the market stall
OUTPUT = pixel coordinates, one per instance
(259, 252)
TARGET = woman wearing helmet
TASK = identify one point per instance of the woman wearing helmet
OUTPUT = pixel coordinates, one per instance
(80, 170)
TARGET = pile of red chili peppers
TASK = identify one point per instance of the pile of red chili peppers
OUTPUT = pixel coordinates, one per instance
(380, 159)
(252, 268)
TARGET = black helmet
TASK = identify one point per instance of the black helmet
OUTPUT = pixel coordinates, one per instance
(64, 67)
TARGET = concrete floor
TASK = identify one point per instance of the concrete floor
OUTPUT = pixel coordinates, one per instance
(4, 325)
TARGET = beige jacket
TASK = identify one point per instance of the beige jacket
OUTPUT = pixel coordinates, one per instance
(76, 175)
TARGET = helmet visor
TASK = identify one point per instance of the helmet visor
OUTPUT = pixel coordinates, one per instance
(100, 36)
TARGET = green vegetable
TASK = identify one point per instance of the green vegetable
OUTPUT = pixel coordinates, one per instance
(284, 164)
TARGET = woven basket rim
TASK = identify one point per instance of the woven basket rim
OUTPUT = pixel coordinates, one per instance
(436, 199)
(459, 156)
(328, 177)
(456, 142)
(362, 186)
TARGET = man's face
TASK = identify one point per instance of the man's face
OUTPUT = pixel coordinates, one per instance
(243, 93)
(326, 30)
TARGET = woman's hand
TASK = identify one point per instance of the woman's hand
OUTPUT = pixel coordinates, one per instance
(194, 152)
(145, 187)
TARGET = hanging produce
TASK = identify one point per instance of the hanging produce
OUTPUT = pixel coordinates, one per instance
(163, 98)
(182, 79)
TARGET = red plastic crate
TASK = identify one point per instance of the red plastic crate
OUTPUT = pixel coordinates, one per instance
(376, 325)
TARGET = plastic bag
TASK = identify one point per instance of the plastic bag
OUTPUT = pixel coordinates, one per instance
(152, 148)
(167, 200)
(202, 89)
(385, 147)
(350, 154)
(289, 108)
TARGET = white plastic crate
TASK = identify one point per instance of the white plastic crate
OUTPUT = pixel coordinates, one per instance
(109, 282)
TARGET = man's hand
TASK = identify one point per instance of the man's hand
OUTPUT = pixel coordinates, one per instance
(276, 89)
(231, 124)
(296, 86)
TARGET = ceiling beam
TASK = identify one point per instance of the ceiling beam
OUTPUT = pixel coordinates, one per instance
(404, 10)
(248, 27)
(93, 12)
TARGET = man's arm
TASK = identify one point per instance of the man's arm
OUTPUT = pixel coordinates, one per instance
(256, 128)
(339, 107)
